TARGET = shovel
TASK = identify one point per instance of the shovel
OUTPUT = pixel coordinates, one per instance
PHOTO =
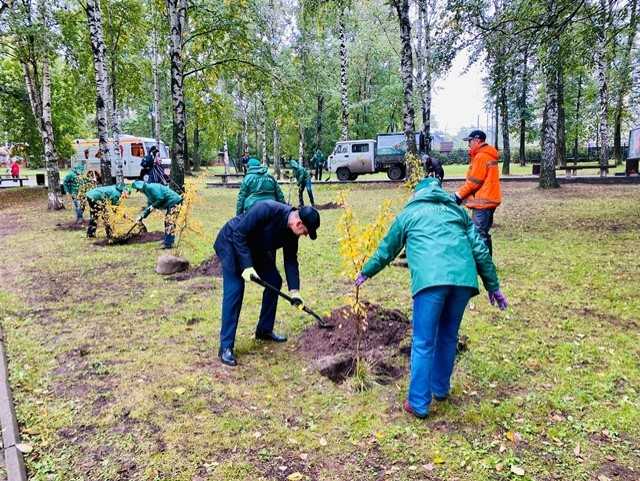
(321, 322)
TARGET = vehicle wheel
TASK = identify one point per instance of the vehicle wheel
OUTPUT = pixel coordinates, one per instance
(343, 174)
(353, 176)
(395, 172)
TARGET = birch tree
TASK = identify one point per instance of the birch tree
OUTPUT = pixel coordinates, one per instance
(177, 20)
(406, 71)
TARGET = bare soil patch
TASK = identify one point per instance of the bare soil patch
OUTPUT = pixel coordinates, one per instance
(142, 238)
(329, 206)
(208, 268)
(72, 226)
(333, 351)
(616, 472)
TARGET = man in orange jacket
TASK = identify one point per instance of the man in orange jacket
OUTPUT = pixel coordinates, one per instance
(481, 190)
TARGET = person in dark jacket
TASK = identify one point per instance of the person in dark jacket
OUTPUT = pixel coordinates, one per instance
(148, 162)
(445, 254)
(244, 162)
(303, 179)
(256, 186)
(97, 199)
(246, 246)
(161, 197)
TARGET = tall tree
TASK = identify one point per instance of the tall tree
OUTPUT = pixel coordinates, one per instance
(177, 20)
(406, 71)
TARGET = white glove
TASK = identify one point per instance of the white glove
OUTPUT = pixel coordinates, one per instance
(296, 299)
(248, 272)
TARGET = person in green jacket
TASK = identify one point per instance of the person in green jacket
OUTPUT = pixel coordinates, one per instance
(445, 254)
(98, 198)
(161, 197)
(256, 186)
(303, 179)
(317, 162)
(71, 183)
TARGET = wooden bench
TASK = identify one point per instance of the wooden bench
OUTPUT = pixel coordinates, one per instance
(8, 178)
(570, 169)
(225, 177)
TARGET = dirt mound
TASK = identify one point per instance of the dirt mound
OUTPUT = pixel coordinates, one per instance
(142, 238)
(208, 268)
(332, 351)
(72, 226)
(328, 206)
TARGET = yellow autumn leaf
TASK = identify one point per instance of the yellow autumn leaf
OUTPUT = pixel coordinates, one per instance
(179, 391)
(295, 476)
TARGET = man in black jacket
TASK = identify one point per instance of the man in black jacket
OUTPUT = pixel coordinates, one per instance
(246, 246)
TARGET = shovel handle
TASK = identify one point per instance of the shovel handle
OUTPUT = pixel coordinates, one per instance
(266, 285)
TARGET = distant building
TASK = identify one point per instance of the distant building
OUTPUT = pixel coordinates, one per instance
(441, 142)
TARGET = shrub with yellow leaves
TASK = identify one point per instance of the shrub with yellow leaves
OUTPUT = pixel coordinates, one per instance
(186, 225)
(121, 219)
(415, 171)
(357, 243)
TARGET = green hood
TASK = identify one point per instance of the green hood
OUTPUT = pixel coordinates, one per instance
(78, 169)
(256, 186)
(255, 167)
(442, 244)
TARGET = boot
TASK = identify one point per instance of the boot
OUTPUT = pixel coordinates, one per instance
(168, 241)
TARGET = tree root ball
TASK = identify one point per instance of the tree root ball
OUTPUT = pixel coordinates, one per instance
(169, 264)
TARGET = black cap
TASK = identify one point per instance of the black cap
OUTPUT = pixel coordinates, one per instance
(476, 134)
(311, 220)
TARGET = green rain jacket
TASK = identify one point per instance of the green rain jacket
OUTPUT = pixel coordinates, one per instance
(257, 185)
(443, 246)
(109, 193)
(158, 196)
(72, 181)
(301, 174)
(318, 159)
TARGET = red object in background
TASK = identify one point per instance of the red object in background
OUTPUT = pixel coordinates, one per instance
(15, 170)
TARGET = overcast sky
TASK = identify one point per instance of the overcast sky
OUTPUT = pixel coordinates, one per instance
(458, 99)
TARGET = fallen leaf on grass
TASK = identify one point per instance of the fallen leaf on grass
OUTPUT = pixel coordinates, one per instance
(576, 450)
(295, 476)
(24, 447)
(517, 470)
(499, 467)
(428, 467)
(179, 391)
(602, 477)
(512, 436)
(437, 459)
(323, 442)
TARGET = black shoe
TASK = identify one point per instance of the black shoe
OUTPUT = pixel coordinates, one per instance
(270, 336)
(227, 357)
(441, 398)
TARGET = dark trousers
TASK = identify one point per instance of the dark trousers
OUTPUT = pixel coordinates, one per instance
(306, 186)
(483, 220)
(232, 295)
(97, 210)
(318, 172)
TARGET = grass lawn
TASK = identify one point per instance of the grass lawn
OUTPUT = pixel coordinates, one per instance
(115, 374)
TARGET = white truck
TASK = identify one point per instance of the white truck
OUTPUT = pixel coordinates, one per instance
(351, 158)
(132, 148)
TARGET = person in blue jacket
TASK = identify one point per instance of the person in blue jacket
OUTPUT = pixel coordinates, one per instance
(246, 246)
(161, 197)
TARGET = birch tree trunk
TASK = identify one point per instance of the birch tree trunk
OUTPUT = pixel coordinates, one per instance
(550, 124)
(177, 19)
(196, 147)
(506, 146)
(562, 160)
(263, 131)
(344, 95)
(523, 109)
(496, 122)
(156, 91)
(625, 81)
(424, 69)
(276, 149)
(577, 118)
(50, 157)
(319, 110)
(602, 74)
(94, 21)
(301, 143)
(406, 67)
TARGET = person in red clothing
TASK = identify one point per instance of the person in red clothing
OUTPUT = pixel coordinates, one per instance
(15, 170)
(481, 190)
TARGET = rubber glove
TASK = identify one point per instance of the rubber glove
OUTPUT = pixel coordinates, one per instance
(360, 279)
(497, 297)
(248, 272)
(296, 298)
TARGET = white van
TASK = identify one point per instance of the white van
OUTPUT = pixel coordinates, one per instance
(132, 148)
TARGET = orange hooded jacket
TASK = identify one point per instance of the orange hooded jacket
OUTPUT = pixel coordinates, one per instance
(481, 190)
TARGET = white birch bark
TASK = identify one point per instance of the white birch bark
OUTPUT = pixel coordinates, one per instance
(177, 18)
(53, 175)
(406, 70)
(156, 90)
(550, 123)
(344, 94)
(301, 143)
(276, 149)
